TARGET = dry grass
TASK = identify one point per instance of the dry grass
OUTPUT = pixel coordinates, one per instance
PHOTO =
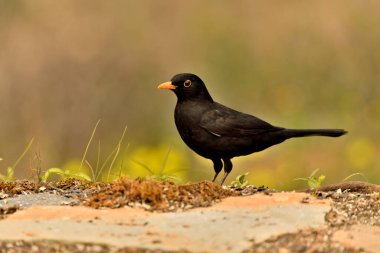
(147, 193)
(157, 195)
(17, 187)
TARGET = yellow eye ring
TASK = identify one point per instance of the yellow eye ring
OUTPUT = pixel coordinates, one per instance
(187, 83)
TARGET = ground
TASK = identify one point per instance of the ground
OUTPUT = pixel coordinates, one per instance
(151, 216)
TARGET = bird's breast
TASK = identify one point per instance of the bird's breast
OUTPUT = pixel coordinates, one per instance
(187, 119)
(203, 142)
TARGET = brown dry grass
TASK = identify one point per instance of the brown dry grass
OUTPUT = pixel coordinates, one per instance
(16, 187)
(156, 195)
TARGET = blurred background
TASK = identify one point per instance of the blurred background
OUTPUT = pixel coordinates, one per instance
(66, 64)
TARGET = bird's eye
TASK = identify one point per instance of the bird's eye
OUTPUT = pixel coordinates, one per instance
(187, 83)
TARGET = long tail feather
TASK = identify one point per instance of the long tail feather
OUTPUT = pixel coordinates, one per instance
(314, 132)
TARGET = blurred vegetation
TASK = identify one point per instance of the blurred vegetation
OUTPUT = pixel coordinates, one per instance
(66, 64)
(313, 182)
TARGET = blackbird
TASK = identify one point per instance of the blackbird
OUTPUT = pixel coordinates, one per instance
(219, 133)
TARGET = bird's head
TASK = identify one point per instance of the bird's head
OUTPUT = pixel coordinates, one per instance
(187, 87)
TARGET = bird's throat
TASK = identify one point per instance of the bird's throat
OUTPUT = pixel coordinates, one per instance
(202, 96)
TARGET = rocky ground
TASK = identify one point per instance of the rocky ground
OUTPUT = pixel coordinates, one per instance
(151, 216)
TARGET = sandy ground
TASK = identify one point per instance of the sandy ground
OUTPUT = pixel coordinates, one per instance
(229, 226)
(263, 222)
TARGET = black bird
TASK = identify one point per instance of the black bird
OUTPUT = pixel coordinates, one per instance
(219, 133)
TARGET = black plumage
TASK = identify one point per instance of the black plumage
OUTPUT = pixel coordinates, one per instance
(219, 133)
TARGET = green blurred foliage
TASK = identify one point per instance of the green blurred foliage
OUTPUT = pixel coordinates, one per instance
(74, 166)
(66, 64)
(313, 182)
(62, 173)
(361, 153)
(144, 161)
(147, 161)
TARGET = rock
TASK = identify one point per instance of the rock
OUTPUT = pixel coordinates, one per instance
(359, 237)
(229, 226)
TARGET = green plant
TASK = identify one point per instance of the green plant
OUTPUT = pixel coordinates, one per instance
(88, 146)
(37, 168)
(11, 169)
(76, 170)
(314, 183)
(110, 161)
(64, 174)
(9, 175)
(240, 181)
(162, 173)
(355, 174)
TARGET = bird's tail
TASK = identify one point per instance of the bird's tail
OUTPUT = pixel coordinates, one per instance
(290, 133)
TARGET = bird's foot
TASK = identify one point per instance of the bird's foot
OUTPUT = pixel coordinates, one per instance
(224, 178)
(215, 176)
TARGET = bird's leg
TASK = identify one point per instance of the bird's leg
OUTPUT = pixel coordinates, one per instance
(218, 165)
(227, 169)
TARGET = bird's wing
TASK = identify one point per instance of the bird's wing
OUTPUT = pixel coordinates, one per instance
(223, 121)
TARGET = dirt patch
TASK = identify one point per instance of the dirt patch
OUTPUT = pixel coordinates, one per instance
(354, 208)
(352, 204)
(225, 227)
(46, 246)
(15, 195)
(16, 187)
(7, 210)
(251, 189)
(70, 187)
(359, 236)
(149, 194)
(348, 210)
(350, 186)
(49, 246)
(159, 196)
(311, 240)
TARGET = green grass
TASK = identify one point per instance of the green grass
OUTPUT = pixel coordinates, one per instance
(97, 171)
(109, 162)
(313, 182)
(162, 174)
(355, 174)
(9, 176)
(64, 174)
(107, 169)
(240, 181)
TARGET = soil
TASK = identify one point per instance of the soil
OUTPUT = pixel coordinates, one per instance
(58, 246)
(152, 195)
(50, 247)
(348, 209)
(352, 204)
(155, 195)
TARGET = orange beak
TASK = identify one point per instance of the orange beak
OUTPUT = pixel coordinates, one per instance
(167, 85)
